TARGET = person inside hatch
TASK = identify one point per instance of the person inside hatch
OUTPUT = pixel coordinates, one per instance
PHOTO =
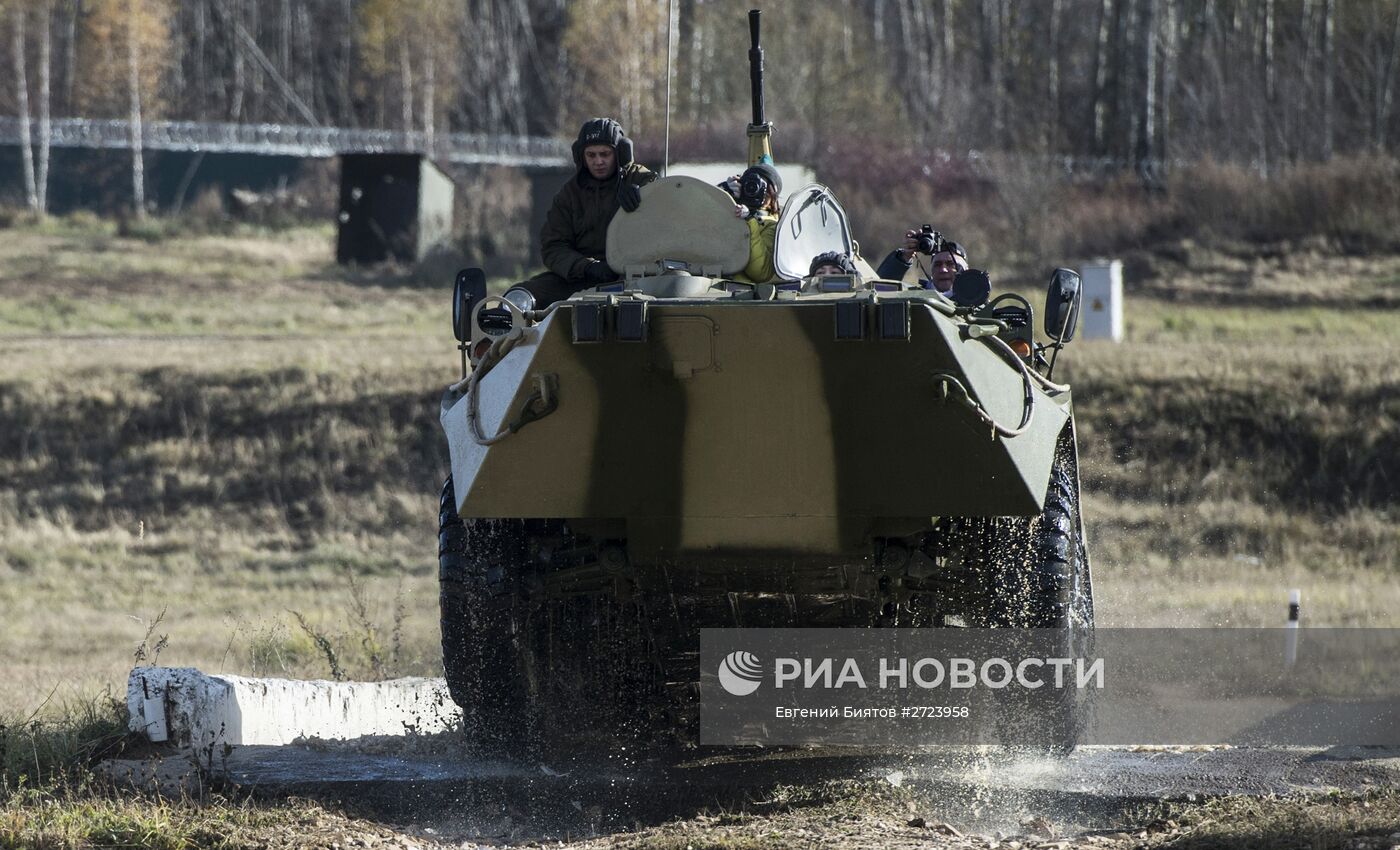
(756, 193)
(831, 262)
(574, 238)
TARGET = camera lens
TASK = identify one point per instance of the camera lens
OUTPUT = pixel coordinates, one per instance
(753, 190)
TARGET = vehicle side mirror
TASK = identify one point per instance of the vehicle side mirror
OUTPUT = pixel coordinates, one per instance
(469, 289)
(1062, 305)
(971, 288)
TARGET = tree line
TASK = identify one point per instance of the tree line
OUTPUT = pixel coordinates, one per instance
(1133, 83)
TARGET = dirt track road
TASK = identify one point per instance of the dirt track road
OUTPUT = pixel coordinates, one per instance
(953, 797)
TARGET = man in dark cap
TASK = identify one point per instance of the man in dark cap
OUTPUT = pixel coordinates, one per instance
(947, 262)
(574, 238)
(948, 258)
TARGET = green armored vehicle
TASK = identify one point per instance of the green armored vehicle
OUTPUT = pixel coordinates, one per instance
(679, 450)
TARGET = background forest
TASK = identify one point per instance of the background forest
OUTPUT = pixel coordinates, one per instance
(990, 115)
(1261, 81)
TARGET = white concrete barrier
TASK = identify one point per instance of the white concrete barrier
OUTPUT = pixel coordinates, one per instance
(210, 711)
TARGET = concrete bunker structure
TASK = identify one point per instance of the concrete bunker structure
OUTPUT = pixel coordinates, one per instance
(393, 206)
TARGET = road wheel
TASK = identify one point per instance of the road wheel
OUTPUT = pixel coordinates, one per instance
(1038, 567)
(477, 563)
(1038, 570)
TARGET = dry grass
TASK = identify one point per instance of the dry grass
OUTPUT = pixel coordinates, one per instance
(81, 602)
(1333, 822)
(1260, 422)
(204, 426)
(83, 818)
(1233, 453)
(90, 281)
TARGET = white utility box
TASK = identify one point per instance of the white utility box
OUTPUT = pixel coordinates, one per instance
(1102, 308)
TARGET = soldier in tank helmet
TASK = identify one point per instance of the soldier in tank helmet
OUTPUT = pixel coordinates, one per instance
(831, 262)
(575, 234)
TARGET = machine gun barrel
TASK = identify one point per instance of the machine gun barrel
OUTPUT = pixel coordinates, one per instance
(760, 149)
(756, 66)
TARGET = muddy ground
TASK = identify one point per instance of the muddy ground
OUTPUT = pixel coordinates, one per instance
(427, 792)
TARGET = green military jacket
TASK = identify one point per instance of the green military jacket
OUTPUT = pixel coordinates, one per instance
(575, 231)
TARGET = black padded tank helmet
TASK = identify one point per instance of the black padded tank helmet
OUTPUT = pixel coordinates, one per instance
(832, 258)
(603, 131)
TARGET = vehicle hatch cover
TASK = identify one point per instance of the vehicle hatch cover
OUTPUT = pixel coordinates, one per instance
(680, 218)
(812, 223)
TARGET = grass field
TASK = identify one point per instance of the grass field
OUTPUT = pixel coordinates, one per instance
(149, 390)
(229, 429)
(209, 441)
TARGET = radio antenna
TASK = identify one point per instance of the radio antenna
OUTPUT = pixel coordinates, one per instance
(666, 145)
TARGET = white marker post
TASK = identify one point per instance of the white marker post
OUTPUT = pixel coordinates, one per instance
(1290, 634)
(1102, 306)
(153, 713)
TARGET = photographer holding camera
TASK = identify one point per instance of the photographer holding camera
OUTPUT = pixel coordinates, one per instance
(948, 258)
(756, 193)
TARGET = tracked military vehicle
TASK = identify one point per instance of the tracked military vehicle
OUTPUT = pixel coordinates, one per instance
(679, 450)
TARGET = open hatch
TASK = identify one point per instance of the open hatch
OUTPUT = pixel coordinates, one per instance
(683, 225)
(812, 223)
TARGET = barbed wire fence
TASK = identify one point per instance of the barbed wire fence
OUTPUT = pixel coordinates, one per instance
(298, 140)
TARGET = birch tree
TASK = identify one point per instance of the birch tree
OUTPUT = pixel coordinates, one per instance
(618, 76)
(127, 48)
(1099, 109)
(1329, 73)
(35, 168)
(1148, 115)
(41, 177)
(1384, 44)
(26, 141)
(1171, 45)
(133, 84)
(403, 39)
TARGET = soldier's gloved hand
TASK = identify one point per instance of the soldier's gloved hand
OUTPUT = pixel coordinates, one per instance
(598, 273)
(629, 196)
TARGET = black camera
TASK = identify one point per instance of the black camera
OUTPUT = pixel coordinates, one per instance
(928, 240)
(753, 190)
